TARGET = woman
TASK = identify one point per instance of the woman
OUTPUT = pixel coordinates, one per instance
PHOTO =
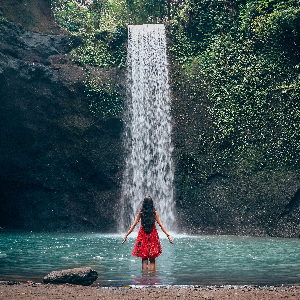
(147, 244)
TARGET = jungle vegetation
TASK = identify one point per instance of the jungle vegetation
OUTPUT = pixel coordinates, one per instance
(240, 57)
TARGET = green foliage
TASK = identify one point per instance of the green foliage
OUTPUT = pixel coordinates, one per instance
(103, 50)
(93, 53)
(3, 20)
(104, 100)
(71, 16)
(102, 35)
(97, 25)
(245, 55)
(242, 56)
(102, 25)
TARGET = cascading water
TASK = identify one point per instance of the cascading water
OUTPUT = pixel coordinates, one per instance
(149, 166)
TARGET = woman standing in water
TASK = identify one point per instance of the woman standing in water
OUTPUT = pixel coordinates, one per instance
(147, 244)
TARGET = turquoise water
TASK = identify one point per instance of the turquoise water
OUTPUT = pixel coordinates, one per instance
(199, 260)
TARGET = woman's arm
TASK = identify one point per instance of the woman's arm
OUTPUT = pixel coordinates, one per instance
(137, 218)
(162, 227)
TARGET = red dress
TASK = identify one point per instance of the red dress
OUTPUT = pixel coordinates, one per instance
(147, 245)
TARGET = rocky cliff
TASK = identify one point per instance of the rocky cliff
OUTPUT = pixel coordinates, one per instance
(59, 163)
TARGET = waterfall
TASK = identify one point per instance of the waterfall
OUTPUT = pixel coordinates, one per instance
(147, 137)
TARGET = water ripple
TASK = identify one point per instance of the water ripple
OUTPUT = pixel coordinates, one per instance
(191, 260)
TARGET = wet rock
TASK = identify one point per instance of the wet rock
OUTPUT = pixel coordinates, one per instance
(57, 156)
(80, 276)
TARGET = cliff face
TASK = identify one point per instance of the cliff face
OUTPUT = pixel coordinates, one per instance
(221, 196)
(32, 15)
(59, 163)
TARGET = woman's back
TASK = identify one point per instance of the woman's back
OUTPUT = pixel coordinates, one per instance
(147, 244)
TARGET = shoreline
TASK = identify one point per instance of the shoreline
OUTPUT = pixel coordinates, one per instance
(15, 281)
(34, 290)
(103, 284)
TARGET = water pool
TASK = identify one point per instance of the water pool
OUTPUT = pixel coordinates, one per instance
(199, 260)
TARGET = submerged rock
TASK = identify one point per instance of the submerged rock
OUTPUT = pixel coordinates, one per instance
(81, 276)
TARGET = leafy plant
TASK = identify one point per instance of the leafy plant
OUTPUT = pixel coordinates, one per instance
(244, 56)
(104, 100)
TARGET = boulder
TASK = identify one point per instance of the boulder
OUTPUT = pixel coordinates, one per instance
(81, 276)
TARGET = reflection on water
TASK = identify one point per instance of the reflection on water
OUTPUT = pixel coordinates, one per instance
(147, 278)
(191, 260)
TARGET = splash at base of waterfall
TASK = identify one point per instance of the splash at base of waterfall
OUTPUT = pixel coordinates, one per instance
(149, 166)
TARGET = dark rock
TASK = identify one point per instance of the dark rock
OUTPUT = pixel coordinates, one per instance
(34, 15)
(80, 276)
(60, 163)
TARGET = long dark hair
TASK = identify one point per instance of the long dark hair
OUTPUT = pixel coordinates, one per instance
(147, 216)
